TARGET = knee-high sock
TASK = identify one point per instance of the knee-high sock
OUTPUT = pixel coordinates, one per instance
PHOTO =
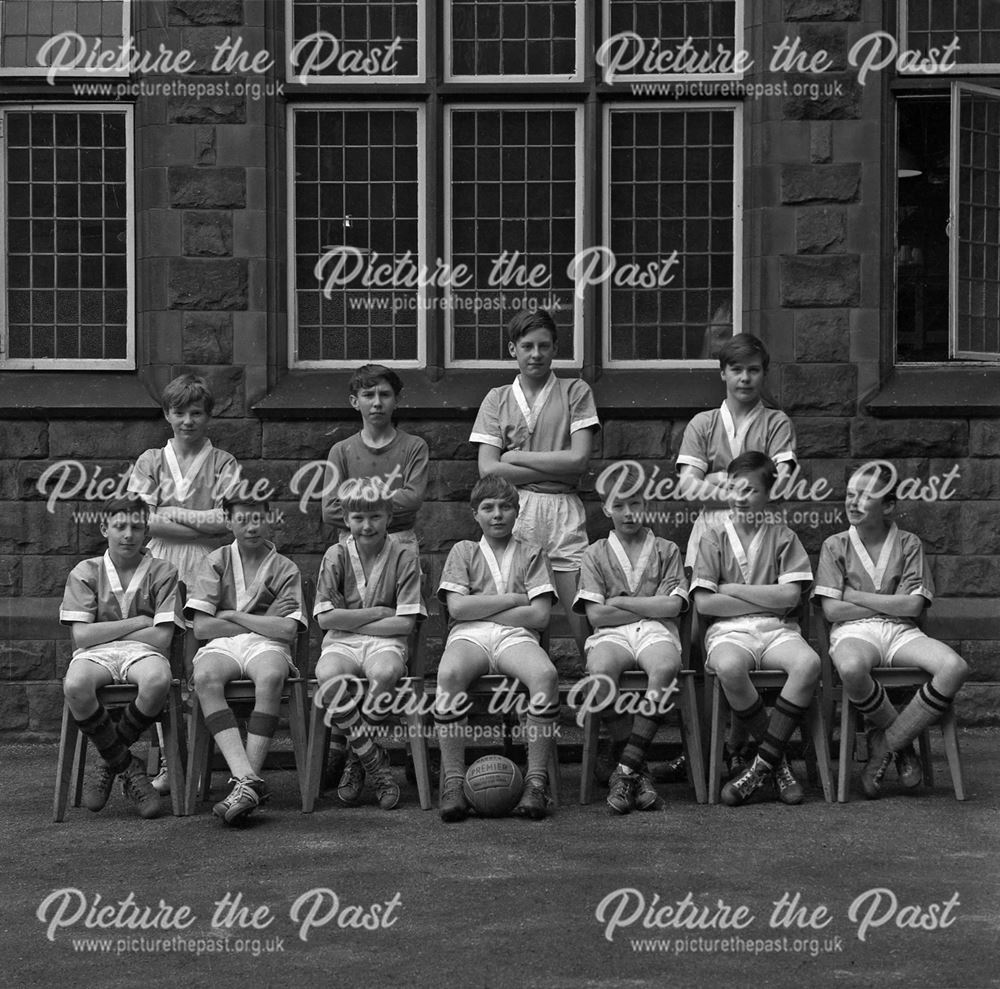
(877, 708)
(133, 723)
(260, 731)
(101, 731)
(754, 720)
(222, 725)
(927, 706)
(783, 721)
(541, 728)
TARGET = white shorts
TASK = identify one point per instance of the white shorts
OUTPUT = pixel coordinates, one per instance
(556, 522)
(886, 635)
(242, 649)
(360, 648)
(636, 636)
(492, 637)
(118, 657)
(754, 633)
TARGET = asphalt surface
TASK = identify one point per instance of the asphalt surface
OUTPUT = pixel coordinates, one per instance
(898, 892)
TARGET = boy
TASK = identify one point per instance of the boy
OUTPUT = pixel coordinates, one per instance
(247, 600)
(122, 609)
(537, 433)
(381, 452)
(498, 593)
(367, 601)
(874, 583)
(632, 587)
(748, 577)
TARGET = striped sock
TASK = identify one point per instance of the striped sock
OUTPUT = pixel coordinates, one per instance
(784, 719)
(260, 731)
(877, 708)
(133, 723)
(754, 719)
(540, 725)
(643, 731)
(360, 736)
(451, 743)
(101, 731)
(927, 706)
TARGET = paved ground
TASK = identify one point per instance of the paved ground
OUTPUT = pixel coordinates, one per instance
(504, 903)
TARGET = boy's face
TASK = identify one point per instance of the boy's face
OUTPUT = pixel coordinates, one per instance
(749, 492)
(496, 517)
(534, 353)
(125, 533)
(189, 423)
(368, 528)
(744, 380)
(376, 404)
(249, 525)
(626, 514)
(864, 503)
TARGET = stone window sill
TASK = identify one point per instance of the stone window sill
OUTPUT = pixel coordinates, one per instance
(75, 394)
(939, 392)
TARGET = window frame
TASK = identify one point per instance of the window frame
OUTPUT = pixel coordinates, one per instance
(127, 363)
(982, 68)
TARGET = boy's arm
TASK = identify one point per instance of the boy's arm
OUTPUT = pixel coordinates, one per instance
(212, 627)
(157, 636)
(413, 484)
(352, 619)
(559, 462)
(270, 626)
(162, 526)
(607, 616)
(331, 511)
(208, 521)
(711, 492)
(533, 615)
(476, 607)
(490, 463)
(840, 611)
(86, 635)
(893, 605)
(722, 605)
(393, 625)
(773, 597)
(662, 606)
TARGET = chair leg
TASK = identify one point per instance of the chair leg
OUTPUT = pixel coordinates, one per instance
(298, 728)
(846, 759)
(79, 767)
(172, 728)
(926, 761)
(591, 731)
(319, 739)
(418, 753)
(553, 771)
(68, 739)
(715, 745)
(691, 733)
(821, 746)
(952, 752)
(199, 751)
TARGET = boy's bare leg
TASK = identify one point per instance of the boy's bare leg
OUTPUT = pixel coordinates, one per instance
(212, 673)
(268, 671)
(567, 582)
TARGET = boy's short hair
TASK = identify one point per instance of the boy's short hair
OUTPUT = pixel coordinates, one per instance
(185, 390)
(629, 478)
(364, 494)
(526, 321)
(752, 462)
(743, 347)
(493, 487)
(885, 479)
(130, 504)
(246, 498)
(369, 375)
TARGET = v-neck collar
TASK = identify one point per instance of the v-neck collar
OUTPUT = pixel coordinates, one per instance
(184, 480)
(744, 557)
(876, 571)
(244, 594)
(499, 570)
(737, 437)
(125, 596)
(633, 575)
(532, 412)
(366, 586)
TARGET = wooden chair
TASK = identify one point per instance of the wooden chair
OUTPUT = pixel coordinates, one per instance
(686, 704)
(410, 697)
(240, 693)
(890, 677)
(115, 698)
(812, 728)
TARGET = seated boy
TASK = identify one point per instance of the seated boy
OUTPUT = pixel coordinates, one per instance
(367, 600)
(632, 586)
(247, 601)
(874, 583)
(498, 592)
(748, 577)
(122, 609)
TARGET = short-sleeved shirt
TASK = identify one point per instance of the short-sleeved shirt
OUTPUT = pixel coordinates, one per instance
(901, 567)
(711, 440)
(401, 465)
(508, 422)
(158, 479)
(473, 568)
(94, 592)
(774, 556)
(607, 573)
(393, 581)
(276, 589)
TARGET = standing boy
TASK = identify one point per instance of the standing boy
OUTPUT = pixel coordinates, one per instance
(874, 583)
(537, 433)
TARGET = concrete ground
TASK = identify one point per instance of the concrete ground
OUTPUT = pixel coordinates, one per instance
(899, 892)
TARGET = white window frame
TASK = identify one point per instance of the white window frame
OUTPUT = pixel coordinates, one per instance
(293, 321)
(737, 108)
(291, 76)
(671, 77)
(578, 307)
(904, 30)
(575, 76)
(119, 72)
(126, 363)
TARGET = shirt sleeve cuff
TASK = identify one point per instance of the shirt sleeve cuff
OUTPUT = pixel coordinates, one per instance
(923, 592)
(796, 578)
(584, 424)
(68, 617)
(197, 605)
(489, 440)
(828, 592)
(405, 610)
(164, 618)
(582, 597)
(784, 457)
(448, 586)
(704, 584)
(688, 461)
(540, 589)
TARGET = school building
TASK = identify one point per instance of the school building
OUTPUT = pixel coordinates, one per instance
(271, 193)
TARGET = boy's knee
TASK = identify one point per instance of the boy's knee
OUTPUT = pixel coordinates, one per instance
(851, 667)
(76, 688)
(269, 682)
(807, 667)
(155, 683)
(730, 666)
(955, 668)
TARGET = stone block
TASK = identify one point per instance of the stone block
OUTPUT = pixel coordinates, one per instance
(969, 576)
(823, 336)
(976, 704)
(204, 145)
(938, 524)
(217, 107)
(984, 437)
(25, 439)
(820, 183)
(983, 657)
(977, 480)
(829, 38)
(93, 481)
(45, 576)
(10, 576)
(105, 439)
(297, 532)
(306, 440)
(64, 653)
(208, 338)
(450, 522)
(841, 101)
(822, 280)
(28, 527)
(207, 188)
(446, 440)
(13, 707)
(981, 532)
(891, 438)
(226, 385)
(8, 480)
(820, 229)
(45, 706)
(822, 437)
(822, 10)
(635, 440)
(208, 234)
(203, 284)
(197, 13)
(820, 143)
(819, 389)
(450, 481)
(28, 659)
(240, 437)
